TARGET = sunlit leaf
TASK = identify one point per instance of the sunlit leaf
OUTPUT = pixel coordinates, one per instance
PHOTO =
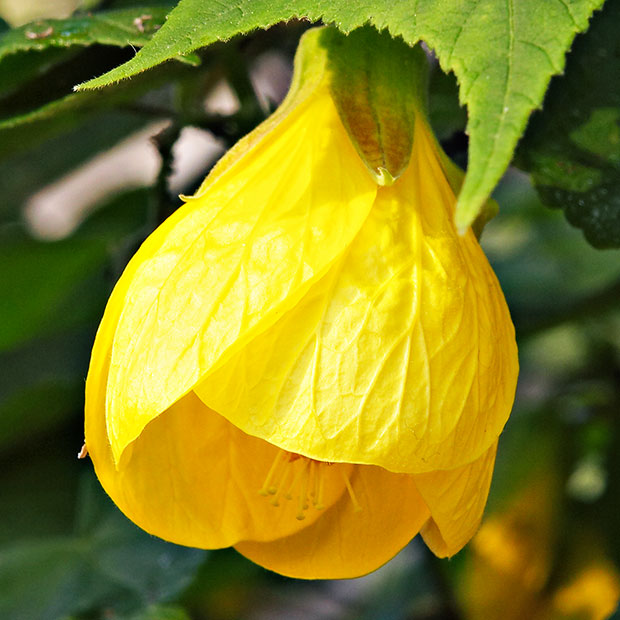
(121, 28)
(503, 54)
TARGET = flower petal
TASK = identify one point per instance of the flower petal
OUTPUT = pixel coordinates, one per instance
(348, 543)
(194, 479)
(456, 500)
(227, 264)
(402, 356)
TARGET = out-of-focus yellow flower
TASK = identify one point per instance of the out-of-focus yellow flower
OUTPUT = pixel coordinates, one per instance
(306, 361)
(592, 595)
(511, 556)
(513, 571)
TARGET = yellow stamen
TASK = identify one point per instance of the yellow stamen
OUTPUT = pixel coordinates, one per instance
(296, 479)
(266, 489)
(315, 474)
(356, 506)
(302, 504)
(318, 498)
(281, 485)
(312, 474)
(307, 484)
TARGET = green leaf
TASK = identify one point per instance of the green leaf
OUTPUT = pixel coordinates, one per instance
(42, 385)
(38, 579)
(53, 111)
(17, 69)
(573, 151)
(36, 85)
(109, 564)
(37, 277)
(503, 53)
(531, 253)
(55, 79)
(120, 28)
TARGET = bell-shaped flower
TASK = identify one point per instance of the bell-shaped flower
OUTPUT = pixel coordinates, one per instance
(307, 361)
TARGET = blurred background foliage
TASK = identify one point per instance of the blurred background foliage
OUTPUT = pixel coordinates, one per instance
(86, 176)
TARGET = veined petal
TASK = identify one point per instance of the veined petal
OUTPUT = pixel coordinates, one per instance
(456, 499)
(232, 260)
(402, 355)
(346, 542)
(194, 479)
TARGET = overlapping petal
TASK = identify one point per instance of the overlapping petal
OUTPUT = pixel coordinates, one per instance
(194, 479)
(456, 500)
(232, 260)
(402, 355)
(345, 542)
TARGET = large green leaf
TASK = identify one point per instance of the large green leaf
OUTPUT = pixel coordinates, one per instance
(572, 147)
(55, 79)
(37, 74)
(503, 53)
(108, 565)
(532, 252)
(120, 28)
(54, 570)
(51, 109)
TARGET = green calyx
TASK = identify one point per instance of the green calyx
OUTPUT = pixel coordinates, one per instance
(378, 84)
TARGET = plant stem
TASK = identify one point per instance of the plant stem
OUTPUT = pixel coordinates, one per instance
(163, 205)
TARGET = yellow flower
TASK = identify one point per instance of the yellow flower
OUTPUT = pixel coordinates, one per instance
(511, 557)
(519, 567)
(304, 363)
(593, 594)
